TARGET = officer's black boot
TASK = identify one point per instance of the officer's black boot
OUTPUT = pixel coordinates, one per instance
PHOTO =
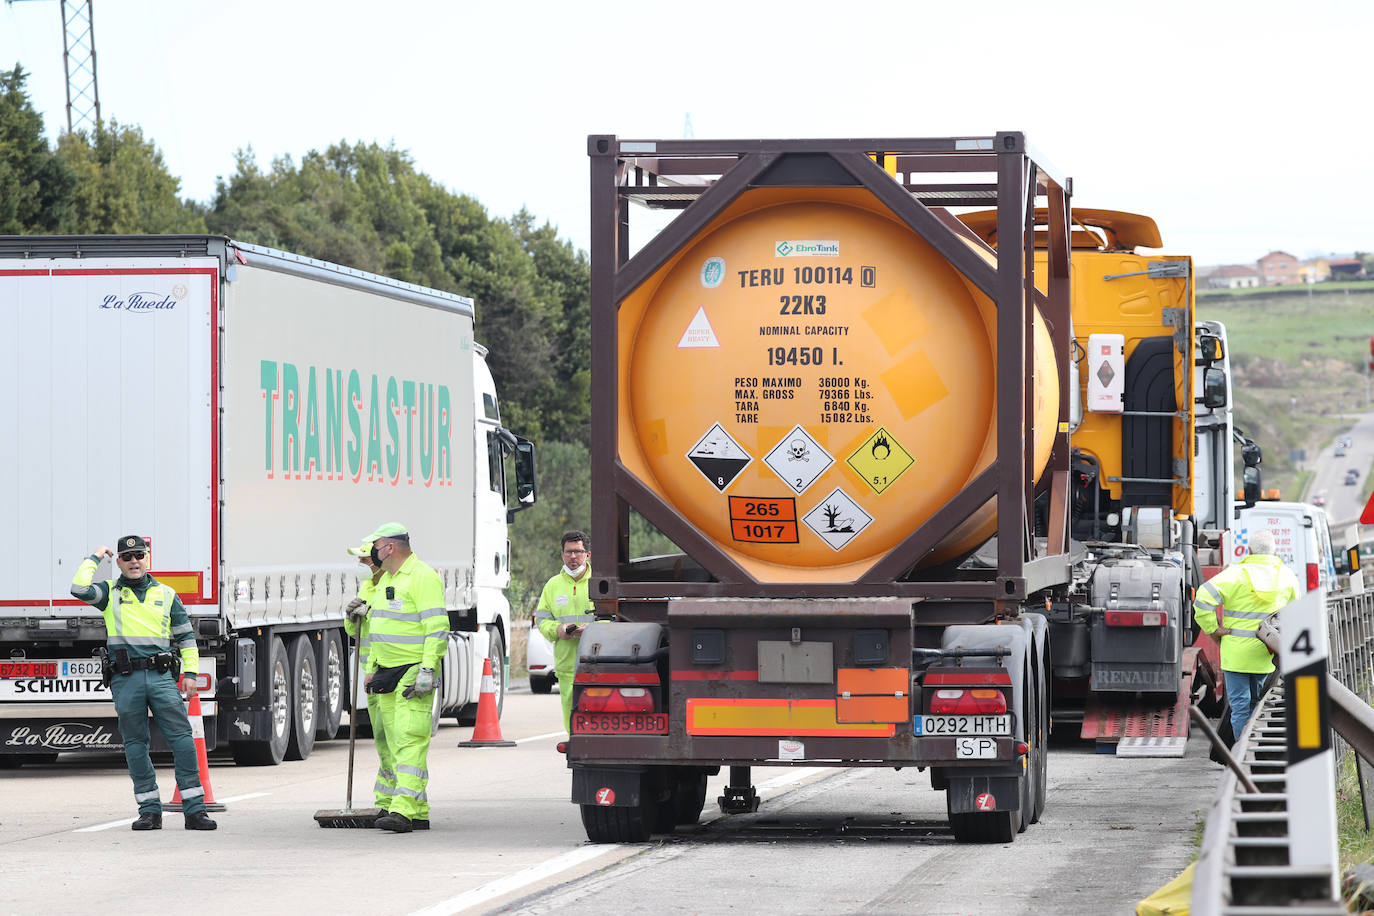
(148, 821)
(396, 823)
(200, 821)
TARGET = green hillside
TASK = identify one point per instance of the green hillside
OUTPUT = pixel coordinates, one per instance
(1299, 362)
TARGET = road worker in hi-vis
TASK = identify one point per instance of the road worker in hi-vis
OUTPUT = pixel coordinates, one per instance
(1242, 596)
(565, 608)
(358, 624)
(407, 636)
(143, 620)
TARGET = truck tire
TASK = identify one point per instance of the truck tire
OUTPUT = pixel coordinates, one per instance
(608, 824)
(333, 686)
(496, 651)
(983, 826)
(689, 797)
(1041, 756)
(305, 700)
(541, 683)
(271, 750)
(1026, 784)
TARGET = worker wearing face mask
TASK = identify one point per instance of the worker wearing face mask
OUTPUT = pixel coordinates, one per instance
(565, 609)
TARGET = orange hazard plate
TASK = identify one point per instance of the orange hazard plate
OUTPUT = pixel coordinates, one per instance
(763, 519)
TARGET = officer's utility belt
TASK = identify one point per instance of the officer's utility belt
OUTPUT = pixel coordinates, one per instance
(385, 680)
(119, 662)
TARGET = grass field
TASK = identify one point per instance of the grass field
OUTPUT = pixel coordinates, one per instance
(1299, 362)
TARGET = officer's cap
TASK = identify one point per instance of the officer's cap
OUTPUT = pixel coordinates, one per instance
(389, 530)
(129, 543)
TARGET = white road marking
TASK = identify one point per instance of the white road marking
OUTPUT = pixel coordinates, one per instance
(502, 886)
(541, 737)
(130, 820)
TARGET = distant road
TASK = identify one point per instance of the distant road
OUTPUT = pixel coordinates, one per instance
(1343, 503)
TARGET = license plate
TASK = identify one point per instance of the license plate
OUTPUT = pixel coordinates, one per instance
(620, 723)
(961, 725)
(976, 748)
(52, 679)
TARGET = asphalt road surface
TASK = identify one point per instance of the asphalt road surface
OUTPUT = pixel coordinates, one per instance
(505, 839)
(1343, 503)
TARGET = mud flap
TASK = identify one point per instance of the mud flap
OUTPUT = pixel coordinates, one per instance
(616, 787)
(973, 794)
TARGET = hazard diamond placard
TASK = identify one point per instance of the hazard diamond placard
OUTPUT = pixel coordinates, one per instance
(838, 519)
(719, 457)
(880, 460)
(798, 459)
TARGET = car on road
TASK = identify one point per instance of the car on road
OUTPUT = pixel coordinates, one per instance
(1352, 477)
(1340, 451)
(1347, 441)
(1319, 498)
(539, 659)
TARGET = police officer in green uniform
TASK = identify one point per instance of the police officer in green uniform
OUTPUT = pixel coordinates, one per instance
(565, 608)
(143, 620)
(408, 635)
(1243, 595)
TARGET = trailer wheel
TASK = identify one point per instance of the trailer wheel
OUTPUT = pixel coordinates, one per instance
(305, 699)
(332, 687)
(541, 683)
(1026, 784)
(271, 750)
(1041, 749)
(623, 825)
(689, 797)
(983, 826)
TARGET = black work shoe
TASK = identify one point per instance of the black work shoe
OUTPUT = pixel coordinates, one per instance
(420, 823)
(396, 823)
(200, 821)
(148, 822)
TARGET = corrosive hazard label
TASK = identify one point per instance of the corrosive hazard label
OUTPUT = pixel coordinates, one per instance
(719, 457)
(763, 519)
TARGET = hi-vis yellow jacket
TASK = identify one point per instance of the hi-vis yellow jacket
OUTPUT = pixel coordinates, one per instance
(1245, 592)
(408, 622)
(143, 617)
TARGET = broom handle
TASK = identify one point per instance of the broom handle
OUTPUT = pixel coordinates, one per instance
(353, 712)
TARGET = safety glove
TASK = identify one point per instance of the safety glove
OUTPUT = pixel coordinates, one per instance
(356, 610)
(424, 684)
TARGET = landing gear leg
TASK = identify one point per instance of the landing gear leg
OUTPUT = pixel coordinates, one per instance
(740, 797)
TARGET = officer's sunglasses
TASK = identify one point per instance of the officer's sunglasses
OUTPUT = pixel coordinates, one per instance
(133, 555)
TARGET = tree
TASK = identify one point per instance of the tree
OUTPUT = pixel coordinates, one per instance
(36, 188)
(122, 184)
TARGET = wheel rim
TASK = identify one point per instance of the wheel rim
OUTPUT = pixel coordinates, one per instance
(334, 677)
(306, 691)
(498, 674)
(281, 707)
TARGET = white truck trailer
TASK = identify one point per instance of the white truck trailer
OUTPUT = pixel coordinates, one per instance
(253, 413)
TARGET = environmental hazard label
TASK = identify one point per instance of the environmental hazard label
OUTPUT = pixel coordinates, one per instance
(880, 460)
(798, 459)
(719, 457)
(838, 519)
(699, 333)
(763, 519)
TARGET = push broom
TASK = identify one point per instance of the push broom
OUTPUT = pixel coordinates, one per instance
(347, 816)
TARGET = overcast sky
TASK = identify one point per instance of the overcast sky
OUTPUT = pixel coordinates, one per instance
(1240, 126)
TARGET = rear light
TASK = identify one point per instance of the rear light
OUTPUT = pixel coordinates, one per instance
(1136, 618)
(538, 667)
(968, 701)
(561, 747)
(615, 699)
(1022, 748)
(1313, 577)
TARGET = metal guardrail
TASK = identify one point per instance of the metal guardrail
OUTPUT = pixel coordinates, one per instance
(1243, 868)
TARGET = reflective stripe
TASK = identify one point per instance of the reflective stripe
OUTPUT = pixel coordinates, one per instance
(543, 615)
(1215, 592)
(577, 618)
(1249, 615)
(194, 792)
(1244, 634)
(429, 613)
(187, 640)
(382, 788)
(411, 793)
(412, 771)
(365, 642)
(398, 640)
(146, 796)
(160, 642)
(181, 628)
(440, 636)
(386, 774)
(387, 613)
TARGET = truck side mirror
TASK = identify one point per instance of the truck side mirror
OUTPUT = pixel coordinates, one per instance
(525, 486)
(1213, 388)
(1210, 348)
(1251, 455)
(1251, 479)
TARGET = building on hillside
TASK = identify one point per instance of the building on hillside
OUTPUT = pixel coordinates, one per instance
(1278, 268)
(1347, 269)
(1228, 276)
(1315, 270)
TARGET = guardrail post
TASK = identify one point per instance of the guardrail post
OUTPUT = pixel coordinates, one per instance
(1311, 782)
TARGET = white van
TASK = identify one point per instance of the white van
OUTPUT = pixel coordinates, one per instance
(1302, 539)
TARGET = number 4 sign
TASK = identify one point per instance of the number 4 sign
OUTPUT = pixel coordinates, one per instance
(1311, 771)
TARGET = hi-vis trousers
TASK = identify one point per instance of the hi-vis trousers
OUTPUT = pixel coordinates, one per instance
(407, 724)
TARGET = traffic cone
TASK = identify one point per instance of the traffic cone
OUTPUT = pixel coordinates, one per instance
(202, 761)
(487, 732)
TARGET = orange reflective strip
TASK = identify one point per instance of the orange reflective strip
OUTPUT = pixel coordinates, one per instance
(873, 709)
(780, 718)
